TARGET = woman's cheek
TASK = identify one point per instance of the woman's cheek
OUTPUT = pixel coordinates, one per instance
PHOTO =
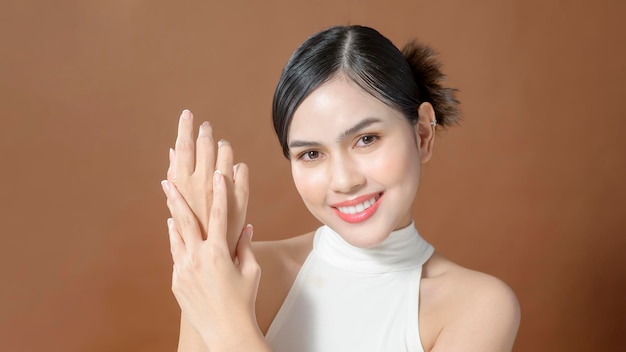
(310, 182)
(392, 166)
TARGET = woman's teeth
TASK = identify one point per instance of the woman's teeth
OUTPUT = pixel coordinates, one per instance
(353, 209)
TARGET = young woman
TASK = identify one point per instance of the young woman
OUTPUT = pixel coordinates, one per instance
(356, 119)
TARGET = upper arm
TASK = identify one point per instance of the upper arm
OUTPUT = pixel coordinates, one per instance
(486, 319)
(280, 263)
(272, 289)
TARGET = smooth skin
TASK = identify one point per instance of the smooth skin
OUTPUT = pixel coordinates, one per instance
(460, 309)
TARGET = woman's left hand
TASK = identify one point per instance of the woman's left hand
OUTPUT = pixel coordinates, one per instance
(216, 293)
(191, 168)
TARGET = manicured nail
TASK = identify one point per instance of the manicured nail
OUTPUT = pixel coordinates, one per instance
(217, 176)
(170, 222)
(249, 231)
(166, 186)
(220, 143)
(186, 114)
(235, 168)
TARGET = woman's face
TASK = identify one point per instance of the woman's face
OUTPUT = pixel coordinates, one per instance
(355, 162)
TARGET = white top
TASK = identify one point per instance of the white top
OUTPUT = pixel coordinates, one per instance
(348, 299)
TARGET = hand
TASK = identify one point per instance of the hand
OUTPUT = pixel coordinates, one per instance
(191, 169)
(216, 294)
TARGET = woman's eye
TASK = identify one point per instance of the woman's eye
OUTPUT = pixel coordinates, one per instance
(309, 155)
(366, 140)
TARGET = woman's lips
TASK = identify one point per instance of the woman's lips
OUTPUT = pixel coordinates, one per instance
(358, 209)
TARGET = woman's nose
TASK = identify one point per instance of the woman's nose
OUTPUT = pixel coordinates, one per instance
(346, 176)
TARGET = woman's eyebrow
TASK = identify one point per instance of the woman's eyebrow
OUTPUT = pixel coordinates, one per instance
(297, 144)
(358, 127)
(350, 131)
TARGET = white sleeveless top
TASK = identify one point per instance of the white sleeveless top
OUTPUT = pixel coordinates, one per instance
(348, 299)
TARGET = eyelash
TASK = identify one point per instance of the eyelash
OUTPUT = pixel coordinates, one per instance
(302, 155)
(306, 153)
(373, 136)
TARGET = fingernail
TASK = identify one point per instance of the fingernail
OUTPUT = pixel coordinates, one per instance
(205, 124)
(222, 142)
(249, 231)
(235, 167)
(166, 186)
(171, 154)
(186, 114)
(170, 222)
(217, 175)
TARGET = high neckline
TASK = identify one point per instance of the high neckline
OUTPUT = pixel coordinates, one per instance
(403, 249)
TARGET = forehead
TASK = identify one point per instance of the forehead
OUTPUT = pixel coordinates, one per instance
(336, 106)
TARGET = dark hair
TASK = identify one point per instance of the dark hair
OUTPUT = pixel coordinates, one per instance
(402, 80)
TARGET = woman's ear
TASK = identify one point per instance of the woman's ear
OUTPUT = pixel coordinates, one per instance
(425, 130)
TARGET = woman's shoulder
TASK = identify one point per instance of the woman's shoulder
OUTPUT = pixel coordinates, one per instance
(289, 251)
(466, 309)
(453, 277)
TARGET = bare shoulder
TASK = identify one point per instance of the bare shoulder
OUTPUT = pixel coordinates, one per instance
(288, 252)
(463, 309)
(280, 262)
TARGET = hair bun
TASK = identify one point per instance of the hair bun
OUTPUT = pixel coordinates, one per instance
(429, 78)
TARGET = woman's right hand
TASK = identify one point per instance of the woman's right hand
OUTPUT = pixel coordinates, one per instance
(216, 294)
(191, 169)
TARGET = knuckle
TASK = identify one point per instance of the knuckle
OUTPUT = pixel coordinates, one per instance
(253, 269)
(217, 212)
(256, 268)
(194, 262)
(215, 256)
(180, 181)
(201, 182)
(187, 221)
(177, 289)
(184, 145)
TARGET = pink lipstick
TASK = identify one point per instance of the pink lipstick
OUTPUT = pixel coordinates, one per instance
(358, 209)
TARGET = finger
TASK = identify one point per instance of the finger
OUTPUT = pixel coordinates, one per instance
(237, 206)
(172, 166)
(219, 212)
(245, 255)
(242, 186)
(184, 218)
(205, 152)
(224, 161)
(184, 145)
(177, 246)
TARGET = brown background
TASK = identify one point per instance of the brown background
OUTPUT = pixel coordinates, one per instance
(530, 188)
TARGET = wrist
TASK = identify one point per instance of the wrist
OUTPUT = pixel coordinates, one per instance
(237, 336)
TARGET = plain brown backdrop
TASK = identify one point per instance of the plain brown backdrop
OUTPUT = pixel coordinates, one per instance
(529, 188)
